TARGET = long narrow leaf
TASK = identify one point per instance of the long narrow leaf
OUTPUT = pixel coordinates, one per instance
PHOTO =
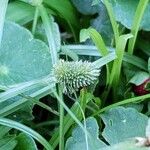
(89, 50)
(20, 88)
(120, 48)
(136, 24)
(3, 5)
(68, 121)
(22, 102)
(27, 130)
(112, 19)
(136, 61)
(99, 43)
(103, 61)
(49, 30)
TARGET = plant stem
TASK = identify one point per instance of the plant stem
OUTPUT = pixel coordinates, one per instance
(46, 123)
(68, 110)
(36, 15)
(61, 129)
(127, 101)
(68, 121)
(136, 24)
(73, 32)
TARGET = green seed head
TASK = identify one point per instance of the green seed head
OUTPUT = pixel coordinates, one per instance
(75, 75)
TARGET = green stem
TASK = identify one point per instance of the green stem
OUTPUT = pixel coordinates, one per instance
(127, 101)
(36, 15)
(68, 110)
(68, 121)
(73, 32)
(84, 120)
(46, 123)
(61, 131)
(136, 24)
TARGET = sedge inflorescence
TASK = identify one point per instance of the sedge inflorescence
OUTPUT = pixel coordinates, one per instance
(73, 75)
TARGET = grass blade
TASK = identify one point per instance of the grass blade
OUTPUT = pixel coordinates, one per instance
(120, 103)
(136, 61)
(99, 43)
(68, 121)
(112, 19)
(27, 130)
(61, 120)
(22, 102)
(23, 87)
(87, 50)
(103, 61)
(3, 5)
(49, 30)
(117, 65)
(136, 24)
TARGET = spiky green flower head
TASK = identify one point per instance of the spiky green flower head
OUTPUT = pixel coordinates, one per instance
(73, 75)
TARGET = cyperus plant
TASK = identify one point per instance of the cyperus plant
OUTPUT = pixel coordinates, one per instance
(73, 75)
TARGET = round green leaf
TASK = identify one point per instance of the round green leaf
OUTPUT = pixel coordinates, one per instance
(125, 10)
(78, 142)
(123, 123)
(22, 58)
(126, 145)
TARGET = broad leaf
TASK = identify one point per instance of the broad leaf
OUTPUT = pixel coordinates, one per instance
(102, 22)
(125, 10)
(8, 143)
(25, 142)
(64, 9)
(127, 145)
(139, 78)
(85, 7)
(122, 127)
(22, 58)
(77, 141)
(3, 131)
(23, 13)
(123, 123)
